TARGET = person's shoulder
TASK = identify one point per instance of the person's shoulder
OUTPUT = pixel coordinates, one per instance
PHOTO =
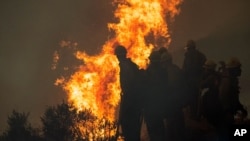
(132, 64)
(200, 52)
(173, 66)
(200, 55)
(178, 70)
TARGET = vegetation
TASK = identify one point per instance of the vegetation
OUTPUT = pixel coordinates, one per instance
(19, 128)
(59, 123)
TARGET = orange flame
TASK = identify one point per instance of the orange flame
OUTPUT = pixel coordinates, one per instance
(96, 85)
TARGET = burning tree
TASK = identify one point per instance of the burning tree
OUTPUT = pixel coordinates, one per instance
(64, 123)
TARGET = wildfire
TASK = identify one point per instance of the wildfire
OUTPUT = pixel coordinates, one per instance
(141, 27)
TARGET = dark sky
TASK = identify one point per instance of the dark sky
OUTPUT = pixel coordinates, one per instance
(31, 30)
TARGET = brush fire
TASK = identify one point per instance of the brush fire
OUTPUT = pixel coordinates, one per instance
(141, 26)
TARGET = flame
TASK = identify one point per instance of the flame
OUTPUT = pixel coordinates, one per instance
(141, 27)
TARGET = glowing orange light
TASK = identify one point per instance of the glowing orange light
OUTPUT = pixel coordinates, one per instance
(96, 85)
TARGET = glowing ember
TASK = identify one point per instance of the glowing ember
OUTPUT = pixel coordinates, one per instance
(55, 60)
(95, 85)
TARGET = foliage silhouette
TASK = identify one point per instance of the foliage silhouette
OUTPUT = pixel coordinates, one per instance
(19, 129)
(64, 123)
(60, 123)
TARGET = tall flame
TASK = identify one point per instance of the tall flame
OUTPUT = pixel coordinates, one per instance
(96, 85)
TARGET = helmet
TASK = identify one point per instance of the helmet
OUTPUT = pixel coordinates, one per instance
(190, 44)
(166, 57)
(120, 50)
(155, 56)
(233, 63)
(209, 64)
(162, 50)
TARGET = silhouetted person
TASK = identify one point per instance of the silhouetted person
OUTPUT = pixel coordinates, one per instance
(163, 50)
(176, 99)
(210, 106)
(230, 90)
(155, 98)
(130, 108)
(193, 68)
(222, 68)
(229, 95)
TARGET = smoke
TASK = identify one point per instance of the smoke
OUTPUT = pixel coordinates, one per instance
(30, 32)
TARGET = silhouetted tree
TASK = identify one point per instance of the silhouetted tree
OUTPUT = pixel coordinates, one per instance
(58, 123)
(19, 129)
(64, 123)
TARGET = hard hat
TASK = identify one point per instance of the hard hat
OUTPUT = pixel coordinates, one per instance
(209, 64)
(120, 50)
(233, 63)
(162, 50)
(166, 57)
(190, 44)
(155, 56)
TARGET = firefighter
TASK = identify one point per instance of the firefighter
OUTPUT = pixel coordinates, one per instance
(210, 106)
(230, 90)
(176, 99)
(154, 101)
(130, 108)
(193, 68)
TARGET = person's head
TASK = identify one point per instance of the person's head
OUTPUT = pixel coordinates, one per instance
(234, 66)
(155, 57)
(190, 45)
(209, 66)
(166, 58)
(222, 64)
(120, 52)
(163, 50)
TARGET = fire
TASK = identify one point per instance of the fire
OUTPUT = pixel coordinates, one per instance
(141, 27)
(137, 20)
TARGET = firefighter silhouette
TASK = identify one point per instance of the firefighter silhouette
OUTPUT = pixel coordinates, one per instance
(154, 100)
(193, 68)
(176, 99)
(230, 90)
(210, 106)
(130, 109)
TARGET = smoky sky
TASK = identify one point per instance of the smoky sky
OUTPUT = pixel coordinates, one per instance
(31, 30)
